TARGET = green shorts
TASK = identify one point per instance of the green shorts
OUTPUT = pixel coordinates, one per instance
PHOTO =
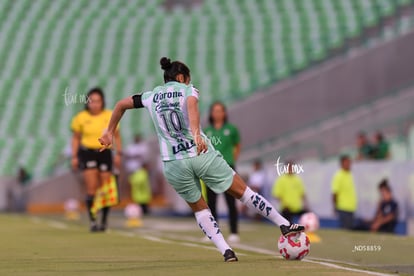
(185, 174)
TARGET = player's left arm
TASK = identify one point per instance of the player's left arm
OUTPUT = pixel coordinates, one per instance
(119, 110)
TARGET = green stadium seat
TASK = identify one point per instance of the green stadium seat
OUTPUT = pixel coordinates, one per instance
(239, 46)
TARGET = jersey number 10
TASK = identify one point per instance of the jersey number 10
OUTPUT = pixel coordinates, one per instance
(173, 121)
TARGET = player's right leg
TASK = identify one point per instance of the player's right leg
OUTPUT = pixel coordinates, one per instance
(221, 178)
(258, 203)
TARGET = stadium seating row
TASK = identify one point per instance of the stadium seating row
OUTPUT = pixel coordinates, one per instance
(50, 49)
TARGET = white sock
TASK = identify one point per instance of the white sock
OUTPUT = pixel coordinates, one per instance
(211, 229)
(259, 204)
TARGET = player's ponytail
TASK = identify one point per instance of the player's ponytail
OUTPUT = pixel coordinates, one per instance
(173, 69)
(165, 63)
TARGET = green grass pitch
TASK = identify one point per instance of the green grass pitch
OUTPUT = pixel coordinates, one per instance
(170, 246)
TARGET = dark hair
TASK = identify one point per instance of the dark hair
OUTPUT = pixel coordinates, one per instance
(210, 116)
(384, 185)
(95, 90)
(173, 69)
(344, 157)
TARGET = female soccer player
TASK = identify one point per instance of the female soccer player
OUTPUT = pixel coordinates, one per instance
(188, 154)
(87, 126)
(225, 139)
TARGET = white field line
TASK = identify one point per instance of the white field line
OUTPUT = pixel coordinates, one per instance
(57, 224)
(184, 242)
(52, 223)
(320, 261)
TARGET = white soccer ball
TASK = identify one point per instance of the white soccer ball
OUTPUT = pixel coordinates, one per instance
(294, 246)
(310, 221)
(71, 205)
(133, 211)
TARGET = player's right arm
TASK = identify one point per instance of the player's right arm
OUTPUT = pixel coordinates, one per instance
(119, 110)
(194, 120)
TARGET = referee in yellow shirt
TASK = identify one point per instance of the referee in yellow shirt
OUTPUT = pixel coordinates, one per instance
(290, 192)
(87, 126)
(344, 194)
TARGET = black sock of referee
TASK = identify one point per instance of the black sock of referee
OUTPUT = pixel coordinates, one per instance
(105, 212)
(89, 203)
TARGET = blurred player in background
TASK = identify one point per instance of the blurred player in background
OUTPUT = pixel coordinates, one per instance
(141, 188)
(226, 139)
(188, 154)
(386, 214)
(343, 193)
(257, 180)
(365, 149)
(290, 191)
(135, 154)
(96, 166)
(381, 147)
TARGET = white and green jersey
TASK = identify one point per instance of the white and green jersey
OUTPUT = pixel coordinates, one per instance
(167, 106)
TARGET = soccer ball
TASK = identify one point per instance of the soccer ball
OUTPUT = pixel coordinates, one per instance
(133, 211)
(294, 246)
(310, 221)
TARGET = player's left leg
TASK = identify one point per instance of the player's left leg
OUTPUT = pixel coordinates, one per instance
(180, 175)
